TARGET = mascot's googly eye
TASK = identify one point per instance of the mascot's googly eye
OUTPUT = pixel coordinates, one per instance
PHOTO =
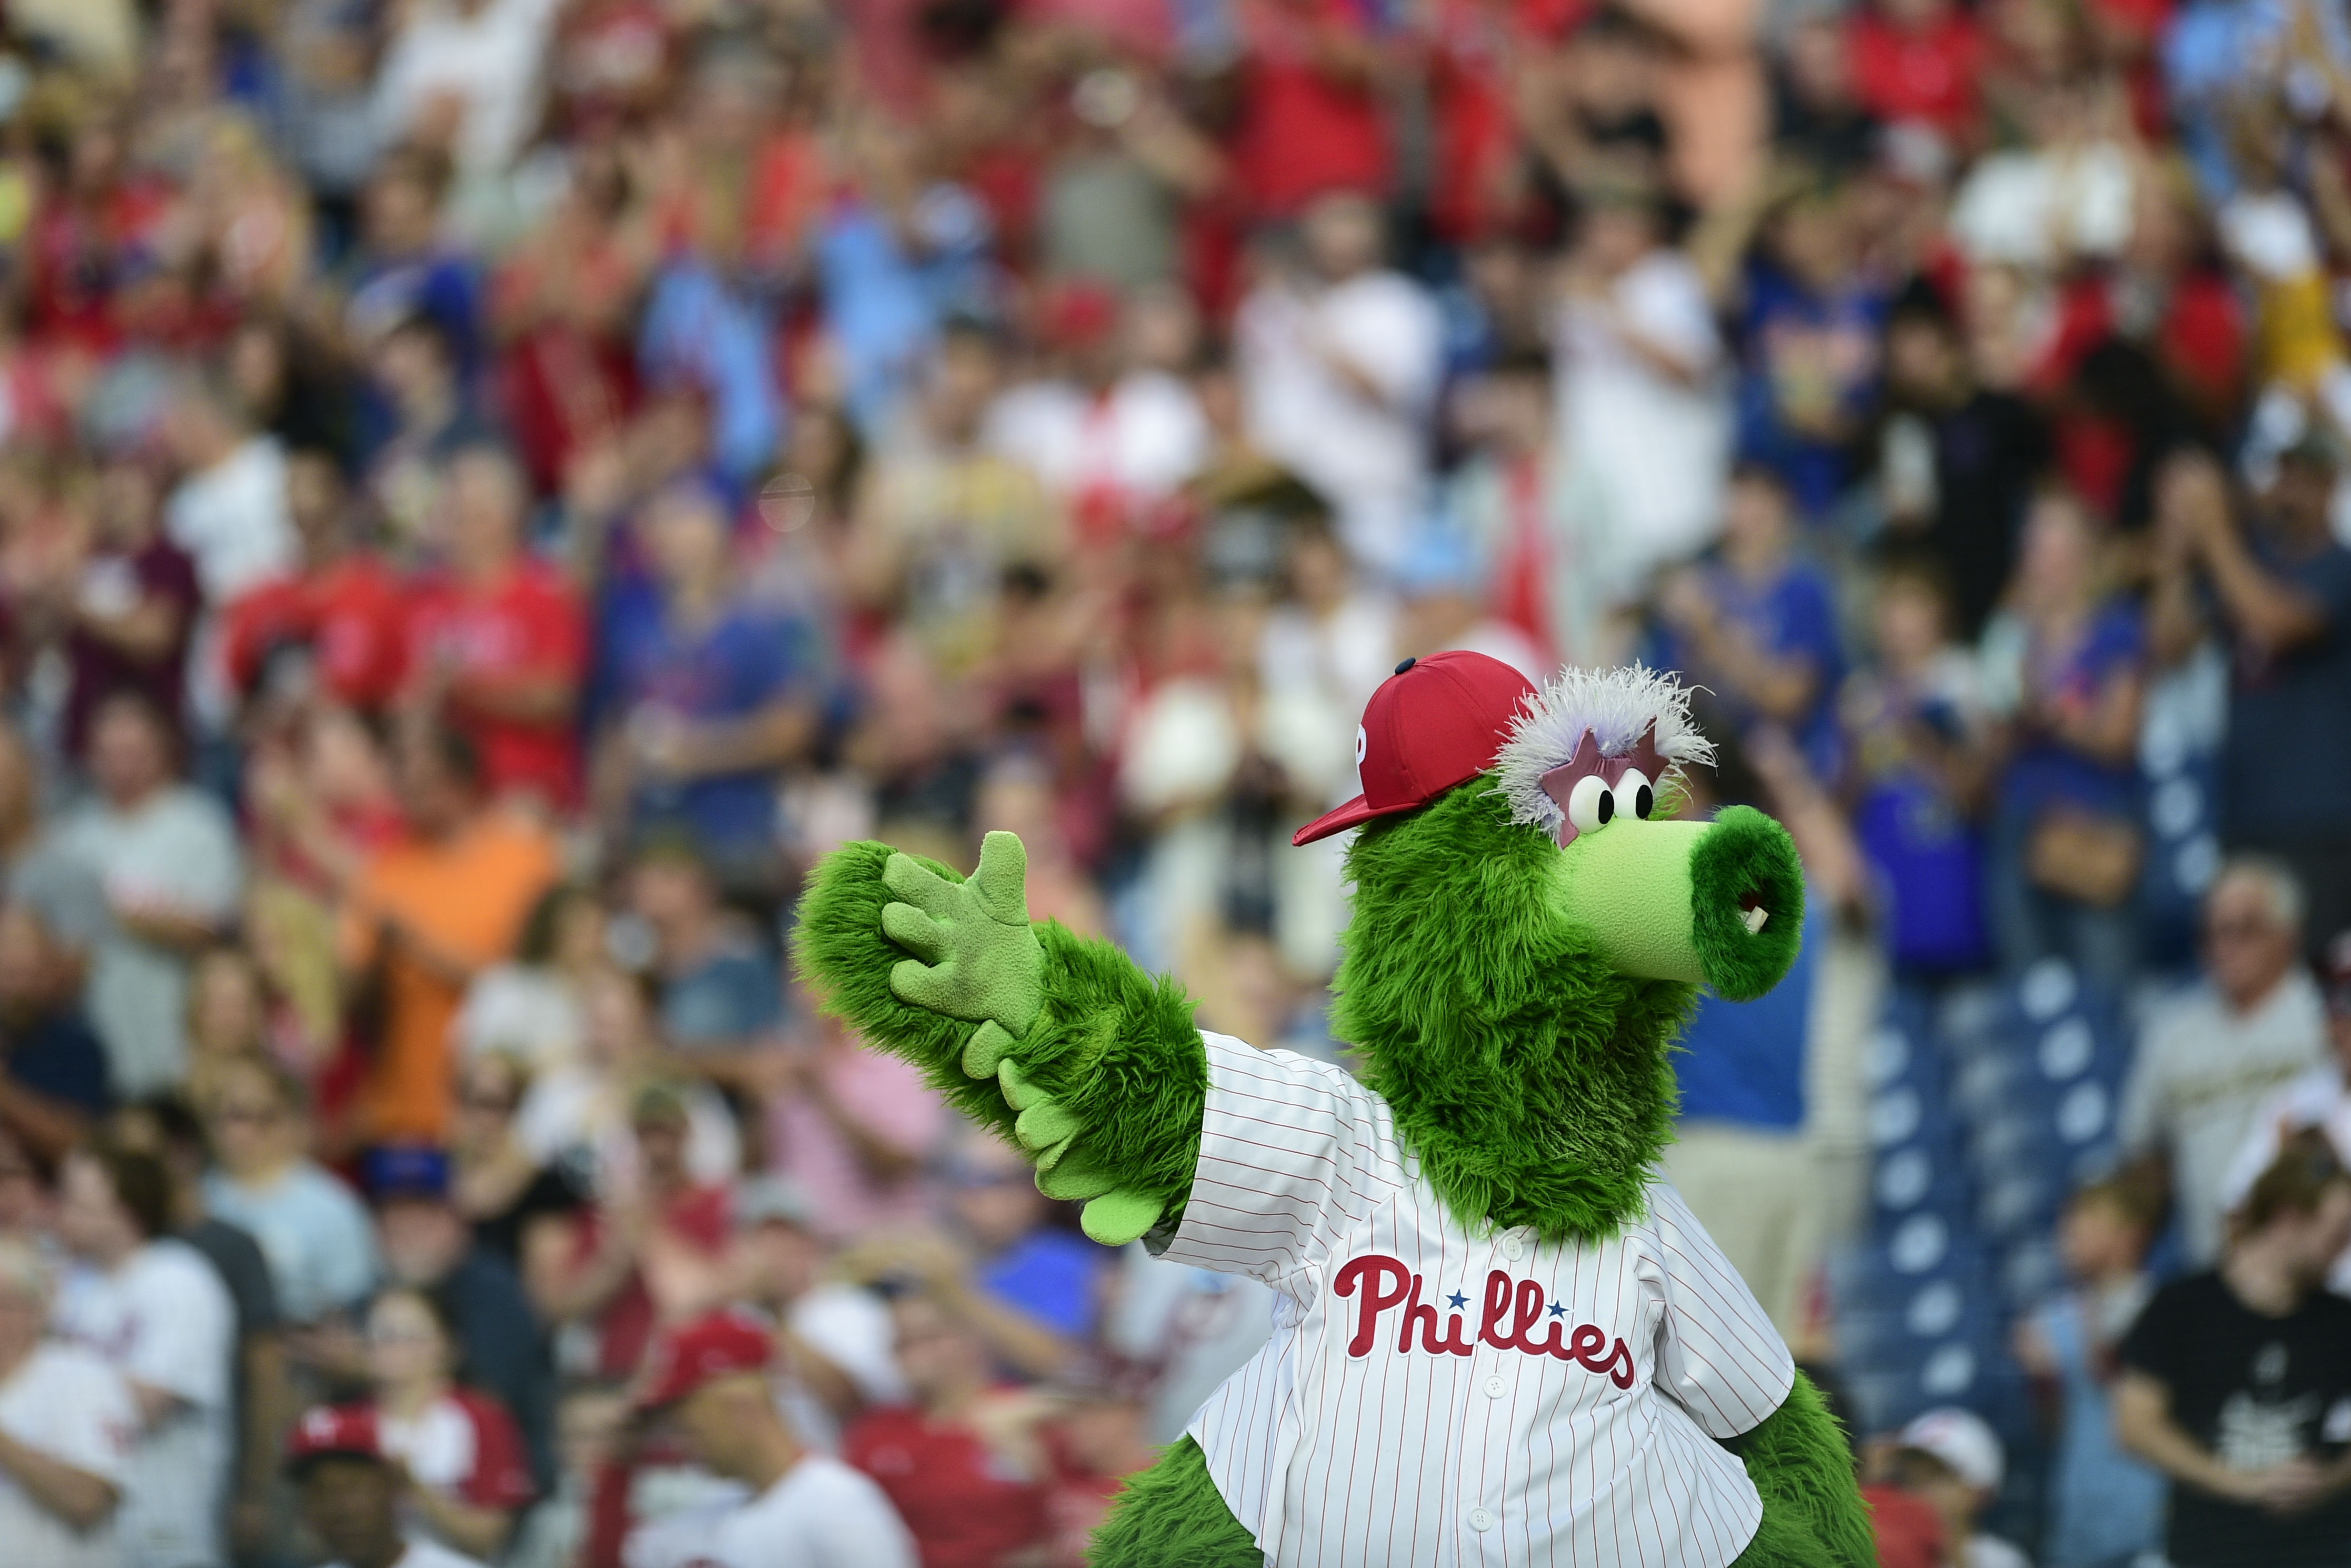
(1591, 805)
(1632, 788)
(1363, 744)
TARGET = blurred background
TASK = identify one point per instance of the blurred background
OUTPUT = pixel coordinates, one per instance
(491, 489)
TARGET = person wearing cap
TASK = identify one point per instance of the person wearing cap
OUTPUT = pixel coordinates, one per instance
(1950, 1460)
(1472, 1236)
(2276, 588)
(834, 1337)
(707, 1380)
(427, 1245)
(152, 1307)
(65, 1420)
(352, 1492)
(2320, 1098)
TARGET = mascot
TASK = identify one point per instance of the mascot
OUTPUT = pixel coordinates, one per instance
(1498, 1335)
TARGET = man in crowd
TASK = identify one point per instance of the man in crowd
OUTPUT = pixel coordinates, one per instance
(963, 1459)
(708, 1380)
(151, 1307)
(2281, 595)
(2319, 1099)
(428, 911)
(167, 856)
(429, 1246)
(497, 645)
(167, 1129)
(351, 1493)
(834, 1337)
(52, 1067)
(2209, 1059)
(66, 1419)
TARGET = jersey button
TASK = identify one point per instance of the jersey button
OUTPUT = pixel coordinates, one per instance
(1481, 1519)
(1513, 1249)
(1496, 1387)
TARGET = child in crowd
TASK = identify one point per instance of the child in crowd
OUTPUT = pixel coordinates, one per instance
(1949, 1459)
(2105, 1506)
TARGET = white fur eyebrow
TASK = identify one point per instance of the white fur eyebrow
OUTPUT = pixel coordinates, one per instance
(1614, 706)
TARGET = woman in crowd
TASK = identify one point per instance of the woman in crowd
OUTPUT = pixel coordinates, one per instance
(2066, 662)
(469, 1476)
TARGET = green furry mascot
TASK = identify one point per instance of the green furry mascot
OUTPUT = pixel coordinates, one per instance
(1499, 1336)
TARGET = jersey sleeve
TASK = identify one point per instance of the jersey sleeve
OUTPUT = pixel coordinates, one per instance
(1290, 1150)
(1718, 1357)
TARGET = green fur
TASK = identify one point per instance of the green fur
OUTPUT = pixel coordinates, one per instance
(1171, 1516)
(1114, 1051)
(1745, 854)
(1802, 1466)
(1528, 1076)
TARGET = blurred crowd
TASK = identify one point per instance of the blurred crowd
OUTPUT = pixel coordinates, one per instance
(491, 489)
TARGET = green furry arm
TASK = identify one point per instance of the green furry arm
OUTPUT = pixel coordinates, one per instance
(1799, 1462)
(1104, 1086)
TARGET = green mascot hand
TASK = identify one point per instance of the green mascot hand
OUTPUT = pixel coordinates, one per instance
(978, 959)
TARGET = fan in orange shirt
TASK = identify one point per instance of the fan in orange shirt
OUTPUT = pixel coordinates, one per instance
(424, 915)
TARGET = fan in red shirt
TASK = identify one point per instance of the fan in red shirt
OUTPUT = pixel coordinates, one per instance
(965, 1464)
(496, 643)
(340, 612)
(1916, 60)
(1477, 49)
(1310, 113)
(461, 1449)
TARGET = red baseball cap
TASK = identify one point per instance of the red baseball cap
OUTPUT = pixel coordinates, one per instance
(333, 1431)
(1436, 722)
(716, 1344)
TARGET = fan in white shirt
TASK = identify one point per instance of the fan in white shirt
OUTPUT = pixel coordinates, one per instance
(65, 1420)
(708, 1379)
(155, 1311)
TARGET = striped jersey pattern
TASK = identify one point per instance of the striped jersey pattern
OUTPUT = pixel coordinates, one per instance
(1439, 1394)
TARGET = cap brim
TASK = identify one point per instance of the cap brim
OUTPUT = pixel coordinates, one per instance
(1352, 814)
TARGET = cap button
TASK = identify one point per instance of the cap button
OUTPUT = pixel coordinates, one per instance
(1406, 664)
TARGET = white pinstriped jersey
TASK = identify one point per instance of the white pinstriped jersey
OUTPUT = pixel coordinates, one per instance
(1436, 1393)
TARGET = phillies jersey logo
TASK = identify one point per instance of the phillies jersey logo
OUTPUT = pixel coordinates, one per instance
(1512, 1310)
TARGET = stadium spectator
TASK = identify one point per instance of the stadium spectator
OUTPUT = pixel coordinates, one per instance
(468, 1476)
(707, 1381)
(64, 1417)
(428, 1245)
(311, 1226)
(427, 913)
(153, 1308)
(353, 1493)
(2105, 1506)
(2211, 1058)
(2279, 593)
(2066, 847)
(167, 859)
(53, 1078)
(2228, 1376)
(963, 1462)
